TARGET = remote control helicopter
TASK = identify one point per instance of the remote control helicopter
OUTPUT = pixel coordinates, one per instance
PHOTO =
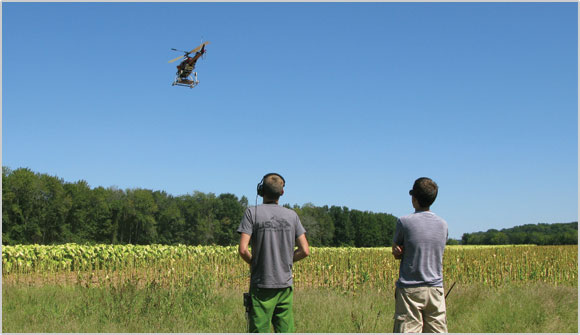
(183, 76)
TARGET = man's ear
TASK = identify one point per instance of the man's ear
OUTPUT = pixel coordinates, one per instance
(281, 194)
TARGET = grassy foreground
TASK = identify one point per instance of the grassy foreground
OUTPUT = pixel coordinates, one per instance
(536, 308)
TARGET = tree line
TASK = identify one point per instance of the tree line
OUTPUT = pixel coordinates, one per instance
(43, 209)
(540, 234)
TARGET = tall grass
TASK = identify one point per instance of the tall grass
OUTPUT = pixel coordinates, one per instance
(536, 308)
(72, 288)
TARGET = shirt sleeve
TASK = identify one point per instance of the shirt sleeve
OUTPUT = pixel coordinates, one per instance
(246, 223)
(299, 228)
(398, 236)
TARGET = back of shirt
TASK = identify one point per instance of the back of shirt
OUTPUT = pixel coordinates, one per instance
(273, 230)
(423, 236)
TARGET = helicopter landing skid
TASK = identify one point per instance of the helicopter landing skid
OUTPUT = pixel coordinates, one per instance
(189, 81)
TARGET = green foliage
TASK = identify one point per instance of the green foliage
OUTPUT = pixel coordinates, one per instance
(40, 209)
(539, 234)
(344, 228)
(318, 224)
(343, 268)
(452, 242)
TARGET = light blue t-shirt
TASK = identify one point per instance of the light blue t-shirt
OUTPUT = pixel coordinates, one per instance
(423, 236)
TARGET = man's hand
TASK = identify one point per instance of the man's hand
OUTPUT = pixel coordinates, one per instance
(303, 250)
(398, 251)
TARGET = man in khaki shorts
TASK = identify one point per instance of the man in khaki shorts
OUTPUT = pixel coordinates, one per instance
(419, 242)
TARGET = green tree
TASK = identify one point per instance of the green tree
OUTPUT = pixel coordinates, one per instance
(100, 216)
(170, 222)
(138, 218)
(318, 224)
(21, 191)
(386, 226)
(229, 215)
(207, 227)
(452, 242)
(344, 232)
(499, 238)
(55, 204)
(10, 209)
(81, 227)
(116, 199)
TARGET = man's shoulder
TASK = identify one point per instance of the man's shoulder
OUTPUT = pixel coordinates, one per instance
(281, 210)
(409, 218)
(437, 217)
(421, 216)
(287, 211)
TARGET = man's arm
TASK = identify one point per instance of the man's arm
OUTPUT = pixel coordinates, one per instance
(398, 240)
(303, 251)
(243, 248)
(397, 251)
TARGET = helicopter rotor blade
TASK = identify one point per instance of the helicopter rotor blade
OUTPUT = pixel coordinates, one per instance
(173, 60)
(199, 47)
(190, 52)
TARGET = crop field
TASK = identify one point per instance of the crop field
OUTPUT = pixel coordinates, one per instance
(215, 271)
(342, 268)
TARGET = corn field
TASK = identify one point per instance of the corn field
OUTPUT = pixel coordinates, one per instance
(345, 269)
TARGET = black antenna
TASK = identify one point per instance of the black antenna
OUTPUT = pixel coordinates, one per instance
(203, 55)
(450, 290)
(256, 210)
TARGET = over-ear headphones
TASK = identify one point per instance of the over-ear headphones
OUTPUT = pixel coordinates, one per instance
(260, 187)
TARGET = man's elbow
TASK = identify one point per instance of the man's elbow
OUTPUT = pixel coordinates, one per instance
(306, 252)
(242, 250)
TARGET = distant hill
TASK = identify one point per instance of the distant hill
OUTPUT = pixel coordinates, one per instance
(540, 234)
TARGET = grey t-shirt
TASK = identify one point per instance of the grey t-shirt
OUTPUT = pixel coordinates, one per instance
(423, 236)
(273, 230)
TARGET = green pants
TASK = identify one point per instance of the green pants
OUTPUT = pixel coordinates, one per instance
(271, 305)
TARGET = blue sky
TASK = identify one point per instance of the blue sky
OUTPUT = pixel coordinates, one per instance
(350, 102)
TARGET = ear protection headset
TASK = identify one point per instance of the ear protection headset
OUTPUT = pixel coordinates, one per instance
(260, 190)
(260, 187)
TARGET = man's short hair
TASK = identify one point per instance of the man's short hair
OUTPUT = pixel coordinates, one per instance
(273, 186)
(425, 191)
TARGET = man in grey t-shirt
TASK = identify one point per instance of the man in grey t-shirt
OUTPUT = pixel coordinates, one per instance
(419, 241)
(273, 232)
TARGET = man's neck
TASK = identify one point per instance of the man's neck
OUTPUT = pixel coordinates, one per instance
(421, 209)
(270, 202)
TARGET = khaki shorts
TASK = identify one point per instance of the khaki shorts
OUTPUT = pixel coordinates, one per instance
(420, 310)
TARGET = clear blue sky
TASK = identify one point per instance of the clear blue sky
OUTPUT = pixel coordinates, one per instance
(350, 102)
